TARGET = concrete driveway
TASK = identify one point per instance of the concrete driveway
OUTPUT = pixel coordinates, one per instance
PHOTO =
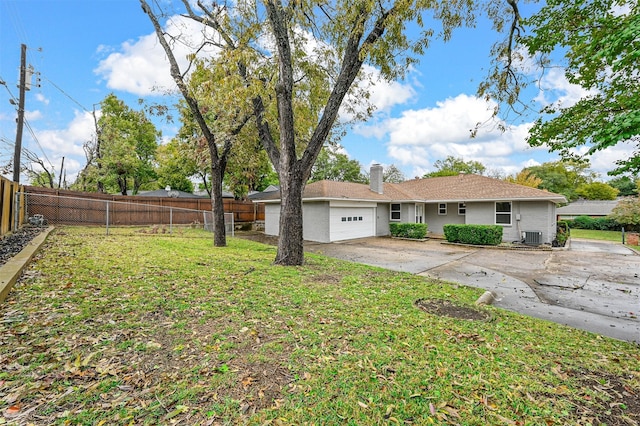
(592, 285)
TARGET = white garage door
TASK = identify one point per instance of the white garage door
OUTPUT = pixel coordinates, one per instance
(351, 222)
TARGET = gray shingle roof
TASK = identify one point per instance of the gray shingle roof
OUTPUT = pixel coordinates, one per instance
(469, 187)
(441, 189)
(588, 208)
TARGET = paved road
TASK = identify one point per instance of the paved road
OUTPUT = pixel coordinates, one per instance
(594, 286)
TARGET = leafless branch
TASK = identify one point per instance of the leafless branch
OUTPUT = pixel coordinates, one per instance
(513, 32)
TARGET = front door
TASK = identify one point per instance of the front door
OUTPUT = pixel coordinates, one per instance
(419, 213)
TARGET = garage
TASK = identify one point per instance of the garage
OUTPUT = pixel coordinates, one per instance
(351, 222)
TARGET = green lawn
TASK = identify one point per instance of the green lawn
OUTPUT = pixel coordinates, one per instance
(615, 236)
(139, 328)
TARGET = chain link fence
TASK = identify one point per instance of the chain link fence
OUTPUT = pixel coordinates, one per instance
(59, 210)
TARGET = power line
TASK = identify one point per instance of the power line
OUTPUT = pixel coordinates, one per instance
(33, 135)
(66, 94)
(3, 82)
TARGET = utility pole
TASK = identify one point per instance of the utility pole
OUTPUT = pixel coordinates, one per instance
(23, 84)
(60, 177)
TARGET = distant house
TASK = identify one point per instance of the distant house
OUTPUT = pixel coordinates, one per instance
(170, 193)
(174, 193)
(592, 208)
(267, 193)
(335, 211)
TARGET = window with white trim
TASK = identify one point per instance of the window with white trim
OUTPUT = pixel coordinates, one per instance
(503, 213)
(442, 209)
(395, 211)
(462, 209)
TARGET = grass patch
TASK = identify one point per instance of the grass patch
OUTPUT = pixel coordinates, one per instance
(615, 236)
(139, 328)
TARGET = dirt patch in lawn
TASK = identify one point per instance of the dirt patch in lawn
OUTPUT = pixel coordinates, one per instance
(451, 310)
(248, 369)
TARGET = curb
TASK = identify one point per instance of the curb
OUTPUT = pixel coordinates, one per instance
(11, 271)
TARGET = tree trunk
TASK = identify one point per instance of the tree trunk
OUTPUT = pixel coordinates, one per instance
(122, 184)
(290, 243)
(217, 205)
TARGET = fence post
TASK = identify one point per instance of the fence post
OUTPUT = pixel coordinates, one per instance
(16, 211)
(171, 220)
(107, 218)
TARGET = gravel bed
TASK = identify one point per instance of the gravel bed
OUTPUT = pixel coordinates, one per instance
(13, 243)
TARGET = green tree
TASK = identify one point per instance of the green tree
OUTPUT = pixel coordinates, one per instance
(392, 174)
(43, 179)
(37, 170)
(597, 191)
(525, 178)
(247, 168)
(562, 177)
(452, 166)
(128, 146)
(213, 96)
(175, 166)
(627, 213)
(309, 94)
(332, 165)
(626, 185)
(194, 148)
(599, 46)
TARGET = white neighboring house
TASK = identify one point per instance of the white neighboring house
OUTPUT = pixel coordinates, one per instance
(337, 211)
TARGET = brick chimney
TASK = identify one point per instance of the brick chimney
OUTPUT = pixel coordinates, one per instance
(375, 178)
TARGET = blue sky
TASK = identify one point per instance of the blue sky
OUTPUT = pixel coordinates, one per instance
(85, 50)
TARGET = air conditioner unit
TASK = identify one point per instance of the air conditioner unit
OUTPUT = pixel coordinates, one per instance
(533, 238)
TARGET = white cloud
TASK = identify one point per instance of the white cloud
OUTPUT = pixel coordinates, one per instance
(33, 115)
(69, 141)
(141, 67)
(41, 98)
(386, 94)
(604, 161)
(556, 89)
(380, 94)
(419, 137)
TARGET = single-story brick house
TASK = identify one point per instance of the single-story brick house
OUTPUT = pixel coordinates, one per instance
(336, 211)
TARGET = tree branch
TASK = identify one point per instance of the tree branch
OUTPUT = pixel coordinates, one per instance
(179, 80)
(513, 32)
(353, 59)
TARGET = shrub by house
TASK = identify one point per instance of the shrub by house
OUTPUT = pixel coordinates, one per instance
(473, 234)
(416, 231)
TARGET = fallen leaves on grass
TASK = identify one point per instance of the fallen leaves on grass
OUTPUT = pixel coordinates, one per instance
(176, 331)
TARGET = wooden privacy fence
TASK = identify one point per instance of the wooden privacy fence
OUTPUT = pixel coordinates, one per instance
(10, 217)
(72, 207)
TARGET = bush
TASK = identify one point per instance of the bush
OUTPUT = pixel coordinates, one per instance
(562, 234)
(451, 233)
(408, 230)
(627, 214)
(474, 234)
(582, 222)
(595, 224)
